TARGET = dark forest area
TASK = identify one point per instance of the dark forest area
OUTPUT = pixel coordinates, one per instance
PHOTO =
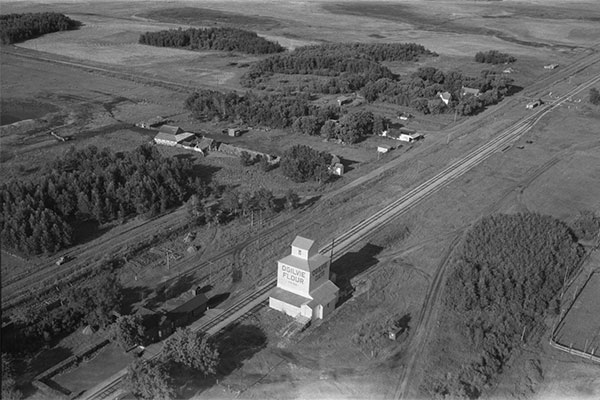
(506, 277)
(39, 215)
(20, 27)
(226, 39)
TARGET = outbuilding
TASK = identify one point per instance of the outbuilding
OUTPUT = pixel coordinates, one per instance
(383, 148)
(189, 310)
(234, 132)
(171, 135)
(445, 96)
(410, 137)
(533, 104)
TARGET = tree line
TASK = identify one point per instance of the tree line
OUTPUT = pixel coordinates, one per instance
(505, 278)
(421, 91)
(274, 110)
(282, 111)
(20, 27)
(90, 302)
(494, 57)
(226, 39)
(359, 59)
(39, 215)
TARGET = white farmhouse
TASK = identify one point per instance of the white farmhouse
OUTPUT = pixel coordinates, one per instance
(304, 290)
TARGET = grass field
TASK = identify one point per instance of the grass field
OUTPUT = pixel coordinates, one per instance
(580, 328)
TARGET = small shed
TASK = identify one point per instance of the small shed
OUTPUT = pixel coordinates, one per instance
(88, 330)
(189, 237)
(384, 148)
(410, 137)
(533, 104)
(152, 122)
(397, 334)
(234, 132)
(337, 169)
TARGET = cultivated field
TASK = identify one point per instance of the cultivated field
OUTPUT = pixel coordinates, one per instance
(580, 328)
(553, 169)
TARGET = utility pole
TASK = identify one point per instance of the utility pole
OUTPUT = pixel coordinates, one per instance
(331, 253)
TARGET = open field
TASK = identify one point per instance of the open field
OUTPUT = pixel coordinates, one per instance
(552, 169)
(580, 328)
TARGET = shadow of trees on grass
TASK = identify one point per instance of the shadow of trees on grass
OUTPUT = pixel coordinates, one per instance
(236, 344)
(352, 264)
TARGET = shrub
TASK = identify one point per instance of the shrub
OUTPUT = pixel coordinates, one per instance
(494, 57)
(302, 163)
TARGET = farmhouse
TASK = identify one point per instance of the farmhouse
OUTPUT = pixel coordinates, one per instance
(467, 91)
(169, 135)
(445, 96)
(304, 290)
(342, 100)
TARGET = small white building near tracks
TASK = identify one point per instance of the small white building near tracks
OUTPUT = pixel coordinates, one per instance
(304, 290)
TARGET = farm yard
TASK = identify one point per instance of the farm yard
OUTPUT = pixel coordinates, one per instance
(94, 83)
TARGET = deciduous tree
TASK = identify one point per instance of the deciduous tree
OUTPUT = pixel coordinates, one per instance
(192, 349)
(127, 330)
(149, 380)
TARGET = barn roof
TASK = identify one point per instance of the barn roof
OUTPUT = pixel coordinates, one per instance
(191, 305)
(170, 129)
(182, 137)
(166, 136)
